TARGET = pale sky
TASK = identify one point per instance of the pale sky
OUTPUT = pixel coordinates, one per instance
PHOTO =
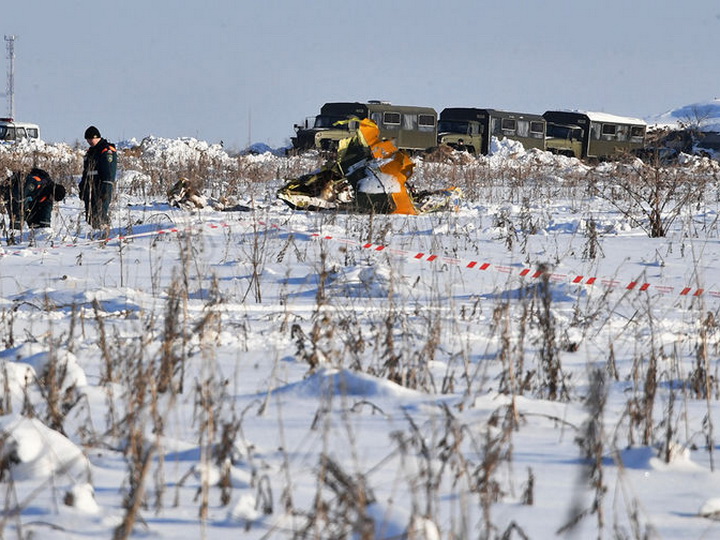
(243, 72)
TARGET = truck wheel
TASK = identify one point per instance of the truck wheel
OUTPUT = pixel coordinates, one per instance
(328, 145)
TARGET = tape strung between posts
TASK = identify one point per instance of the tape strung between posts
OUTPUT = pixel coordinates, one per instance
(420, 256)
(525, 272)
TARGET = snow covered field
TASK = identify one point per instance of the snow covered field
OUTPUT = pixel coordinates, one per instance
(532, 365)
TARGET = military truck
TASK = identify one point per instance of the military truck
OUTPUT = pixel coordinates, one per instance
(411, 128)
(594, 135)
(471, 129)
(11, 131)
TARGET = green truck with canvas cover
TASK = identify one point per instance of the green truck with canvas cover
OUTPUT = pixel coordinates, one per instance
(471, 129)
(594, 135)
(411, 128)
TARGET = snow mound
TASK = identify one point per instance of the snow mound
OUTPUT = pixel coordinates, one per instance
(343, 382)
(246, 510)
(705, 115)
(182, 152)
(361, 282)
(16, 377)
(507, 151)
(39, 358)
(82, 498)
(38, 146)
(506, 148)
(239, 479)
(37, 452)
(711, 509)
(259, 149)
(646, 458)
(35, 151)
(127, 144)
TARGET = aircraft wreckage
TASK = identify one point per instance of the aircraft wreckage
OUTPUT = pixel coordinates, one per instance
(368, 175)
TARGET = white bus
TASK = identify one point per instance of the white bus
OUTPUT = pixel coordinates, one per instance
(11, 131)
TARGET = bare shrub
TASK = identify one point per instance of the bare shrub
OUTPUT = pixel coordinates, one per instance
(514, 380)
(497, 451)
(172, 351)
(651, 197)
(592, 443)
(701, 379)
(340, 506)
(140, 397)
(593, 247)
(550, 369)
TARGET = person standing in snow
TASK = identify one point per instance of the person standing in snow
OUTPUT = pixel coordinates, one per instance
(98, 179)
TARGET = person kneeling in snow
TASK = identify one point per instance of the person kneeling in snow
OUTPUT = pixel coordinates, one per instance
(31, 199)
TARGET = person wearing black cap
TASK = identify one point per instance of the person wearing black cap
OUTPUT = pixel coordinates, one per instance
(98, 179)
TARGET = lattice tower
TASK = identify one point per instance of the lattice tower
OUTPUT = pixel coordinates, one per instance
(10, 45)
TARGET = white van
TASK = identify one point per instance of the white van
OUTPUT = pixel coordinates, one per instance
(11, 131)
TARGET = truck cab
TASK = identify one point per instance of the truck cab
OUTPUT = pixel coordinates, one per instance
(471, 129)
(594, 135)
(411, 128)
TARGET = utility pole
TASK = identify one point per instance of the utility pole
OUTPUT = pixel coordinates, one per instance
(10, 44)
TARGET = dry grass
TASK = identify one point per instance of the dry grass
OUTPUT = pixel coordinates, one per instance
(525, 354)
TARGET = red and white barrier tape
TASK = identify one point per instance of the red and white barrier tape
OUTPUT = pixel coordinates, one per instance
(527, 273)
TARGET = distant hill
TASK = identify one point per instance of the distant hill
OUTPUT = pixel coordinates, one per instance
(704, 115)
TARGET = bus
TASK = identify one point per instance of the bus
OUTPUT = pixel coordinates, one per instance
(471, 129)
(594, 135)
(12, 131)
(411, 128)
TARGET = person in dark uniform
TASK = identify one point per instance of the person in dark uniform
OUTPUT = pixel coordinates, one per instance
(12, 197)
(31, 199)
(98, 179)
(40, 193)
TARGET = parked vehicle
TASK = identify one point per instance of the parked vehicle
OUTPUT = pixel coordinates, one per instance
(581, 134)
(709, 143)
(411, 128)
(593, 135)
(11, 131)
(472, 129)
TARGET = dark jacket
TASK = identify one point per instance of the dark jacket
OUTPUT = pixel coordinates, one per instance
(99, 167)
(32, 198)
(98, 182)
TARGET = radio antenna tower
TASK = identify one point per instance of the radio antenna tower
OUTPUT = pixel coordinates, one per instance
(10, 44)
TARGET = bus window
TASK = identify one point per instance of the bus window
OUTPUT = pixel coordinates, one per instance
(508, 124)
(391, 119)
(609, 132)
(637, 133)
(426, 122)
(536, 129)
(7, 133)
